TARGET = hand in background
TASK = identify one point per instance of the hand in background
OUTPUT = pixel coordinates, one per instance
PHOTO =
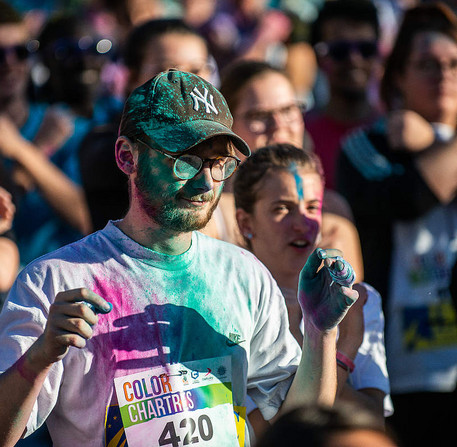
(407, 130)
(7, 210)
(352, 327)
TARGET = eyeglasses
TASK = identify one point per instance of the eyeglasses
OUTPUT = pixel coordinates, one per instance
(21, 52)
(434, 67)
(259, 120)
(340, 50)
(187, 166)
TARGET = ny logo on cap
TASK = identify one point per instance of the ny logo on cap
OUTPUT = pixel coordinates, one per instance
(198, 97)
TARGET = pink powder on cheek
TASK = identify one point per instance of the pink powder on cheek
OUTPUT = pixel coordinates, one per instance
(314, 228)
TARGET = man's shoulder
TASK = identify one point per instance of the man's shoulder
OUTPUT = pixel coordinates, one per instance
(83, 251)
(223, 252)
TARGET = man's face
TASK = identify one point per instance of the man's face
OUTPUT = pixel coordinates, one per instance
(349, 67)
(175, 204)
(185, 52)
(14, 68)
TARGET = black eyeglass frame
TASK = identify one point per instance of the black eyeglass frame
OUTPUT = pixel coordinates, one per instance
(203, 161)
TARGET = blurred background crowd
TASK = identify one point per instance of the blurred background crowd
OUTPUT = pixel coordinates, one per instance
(369, 86)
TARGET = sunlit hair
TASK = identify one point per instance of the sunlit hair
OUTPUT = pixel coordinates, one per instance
(427, 17)
(137, 42)
(238, 74)
(315, 425)
(252, 173)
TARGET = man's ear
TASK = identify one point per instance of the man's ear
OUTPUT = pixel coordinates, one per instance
(126, 155)
(244, 221)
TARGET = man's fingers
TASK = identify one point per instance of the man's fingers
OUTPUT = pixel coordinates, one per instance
(312, 265)
(76, 326)
(95, 302)
(329, 253)
(350, 295)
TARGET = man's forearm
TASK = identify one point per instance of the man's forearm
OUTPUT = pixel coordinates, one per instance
(315, 378)
(19, 386)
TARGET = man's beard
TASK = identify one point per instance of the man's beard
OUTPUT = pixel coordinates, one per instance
(168, 214)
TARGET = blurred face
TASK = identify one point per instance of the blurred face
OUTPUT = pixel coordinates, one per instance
(175, 204)
(14, 68)
(349, 56)
(75, 62)
(183, 51)
(359, 438)
(286, 221)
(429, 82)
(268, 112)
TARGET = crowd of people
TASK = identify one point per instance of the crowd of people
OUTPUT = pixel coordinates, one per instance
(228, 223)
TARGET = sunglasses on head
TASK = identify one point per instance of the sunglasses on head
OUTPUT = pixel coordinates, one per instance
(21, 52)
(341, 50)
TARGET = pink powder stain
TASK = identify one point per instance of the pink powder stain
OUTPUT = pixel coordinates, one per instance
(126, 334)
(119, 332)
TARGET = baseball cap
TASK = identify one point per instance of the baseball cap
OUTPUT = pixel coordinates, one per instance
(177, 110)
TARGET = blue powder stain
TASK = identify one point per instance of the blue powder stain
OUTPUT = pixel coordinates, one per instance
(298, 181)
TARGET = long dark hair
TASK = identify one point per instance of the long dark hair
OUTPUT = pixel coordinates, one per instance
(427, 17)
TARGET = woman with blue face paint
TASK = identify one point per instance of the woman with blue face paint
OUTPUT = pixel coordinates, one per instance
(265, 111)
(278, 196)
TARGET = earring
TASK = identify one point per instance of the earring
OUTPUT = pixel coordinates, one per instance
(248, 236)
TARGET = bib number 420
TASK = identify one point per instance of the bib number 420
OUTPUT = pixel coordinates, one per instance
(202, 429)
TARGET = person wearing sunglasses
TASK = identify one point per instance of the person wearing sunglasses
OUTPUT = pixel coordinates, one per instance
(148, 330)
(345, 38)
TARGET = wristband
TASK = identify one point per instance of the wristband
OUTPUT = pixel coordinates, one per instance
(27, 375)
(344, 361)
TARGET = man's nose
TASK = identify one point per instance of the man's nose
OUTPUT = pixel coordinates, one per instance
(203, 181)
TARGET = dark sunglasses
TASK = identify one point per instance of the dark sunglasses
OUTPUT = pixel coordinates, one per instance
(340, 50)
(21, 52)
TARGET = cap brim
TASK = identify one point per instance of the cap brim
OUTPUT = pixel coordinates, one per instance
(181, 138)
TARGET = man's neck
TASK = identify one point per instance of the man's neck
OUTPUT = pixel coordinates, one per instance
(143, 230)
(348, 110)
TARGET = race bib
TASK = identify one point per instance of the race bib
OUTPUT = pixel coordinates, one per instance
(179, 404)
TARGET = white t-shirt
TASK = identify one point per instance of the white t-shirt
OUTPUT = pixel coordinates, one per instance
(370, 362)
(212, 301)
(422, 331)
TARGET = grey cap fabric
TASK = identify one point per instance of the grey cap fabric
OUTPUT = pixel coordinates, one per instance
(177, 110)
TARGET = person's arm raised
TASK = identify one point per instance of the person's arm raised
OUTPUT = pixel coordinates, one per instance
(58, 190)
(435, 160)
(70, 321)
(324, 303)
